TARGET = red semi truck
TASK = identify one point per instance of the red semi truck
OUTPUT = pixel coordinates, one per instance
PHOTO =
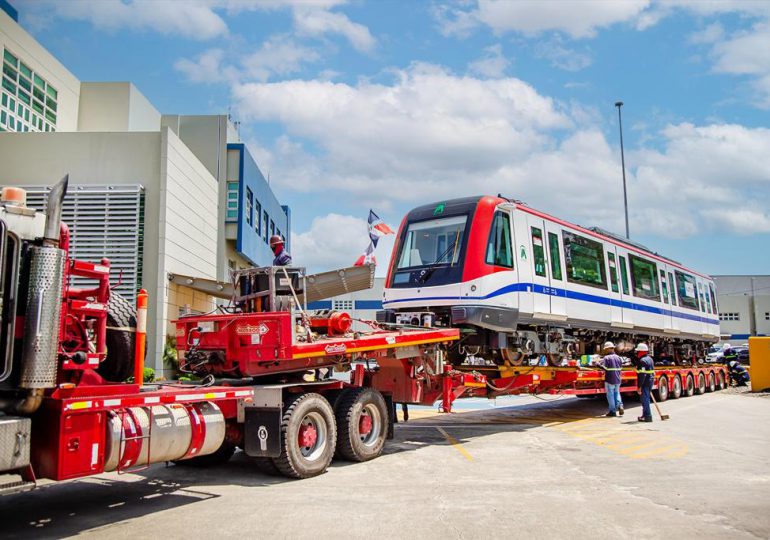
(267, 371)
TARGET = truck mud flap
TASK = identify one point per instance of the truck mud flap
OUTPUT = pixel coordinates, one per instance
(262, 431)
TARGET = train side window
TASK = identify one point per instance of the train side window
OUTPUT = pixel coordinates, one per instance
(702, 298)
(644, 278)
(553, 248)
(672, 288)
(685, 288)
(664, 286)
(714, 310)
(585, 260)
(499, 247)
(708, 299)
(613, 272)
(538, 251)
(624, 274)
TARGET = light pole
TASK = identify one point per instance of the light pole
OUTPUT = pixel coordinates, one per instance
(619, 104)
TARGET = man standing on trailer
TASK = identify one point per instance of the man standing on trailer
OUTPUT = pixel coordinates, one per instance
(282, 257)
(645, 376)
(612, 365)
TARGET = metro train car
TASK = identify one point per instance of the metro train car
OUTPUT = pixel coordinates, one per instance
(524, 285)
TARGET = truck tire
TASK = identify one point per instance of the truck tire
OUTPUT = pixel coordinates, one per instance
(676, 391)
(689, 386)
(362, 424)
(266, 466)
(721, 384)
(221, 456)
(118, 365)
(308, 437)
(662, 391)
(700, 388)
(712, 384)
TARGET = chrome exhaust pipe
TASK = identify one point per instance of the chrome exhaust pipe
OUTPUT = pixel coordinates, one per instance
(53, 210)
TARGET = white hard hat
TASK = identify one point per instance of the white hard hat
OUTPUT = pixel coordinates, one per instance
(642, 347)
(608, 345)
(726, 346)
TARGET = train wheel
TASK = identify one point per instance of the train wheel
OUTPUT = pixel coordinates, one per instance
(712, 382)
(514, 358)
(308, 437)
(701, 387)
(553, 359)
(721, 378)
(662, 391)
(676, 391)
(689, 386)
(362, 421)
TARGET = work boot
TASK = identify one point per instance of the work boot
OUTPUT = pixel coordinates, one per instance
(621, 411)
(644, 419)
(611, 413)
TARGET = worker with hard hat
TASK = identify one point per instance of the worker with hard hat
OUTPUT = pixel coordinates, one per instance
(645, 378)
(282, 257)
(612, 364)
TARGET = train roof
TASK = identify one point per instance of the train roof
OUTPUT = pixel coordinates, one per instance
(461, 205)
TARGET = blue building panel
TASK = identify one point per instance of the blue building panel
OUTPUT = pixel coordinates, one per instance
(10, 10)
(260, 215)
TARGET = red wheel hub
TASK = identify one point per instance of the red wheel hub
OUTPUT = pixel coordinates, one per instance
(308, 435)
(365, 424)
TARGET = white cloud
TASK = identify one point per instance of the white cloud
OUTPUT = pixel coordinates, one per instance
(492, 64)
(332, 241)
(710, 34)
(577, 18)
(207, 68)
(562, 57)
(316, 22)
(279, 55)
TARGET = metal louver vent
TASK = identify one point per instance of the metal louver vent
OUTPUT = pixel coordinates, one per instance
(104, 221)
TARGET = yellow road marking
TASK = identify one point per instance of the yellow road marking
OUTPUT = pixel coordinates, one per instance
(454, 442)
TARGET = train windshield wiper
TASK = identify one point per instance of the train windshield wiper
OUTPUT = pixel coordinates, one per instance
(428, 272)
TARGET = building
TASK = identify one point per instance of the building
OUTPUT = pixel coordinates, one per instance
(744, 307)
(167, 198)
(360, 305)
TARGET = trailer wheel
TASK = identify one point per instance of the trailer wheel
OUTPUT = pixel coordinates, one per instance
(676, 391)
(266, 466)
(701, 387)
(712, 382)
(220, 456)
(689, 386)
(118, 365)
(662, 391)
(362, 421)
(308, 437)
(721, 378)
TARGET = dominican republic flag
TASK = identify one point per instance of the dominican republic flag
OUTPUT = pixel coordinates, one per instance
(377, 229)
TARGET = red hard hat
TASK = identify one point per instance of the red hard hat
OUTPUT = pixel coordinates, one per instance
(275, 240)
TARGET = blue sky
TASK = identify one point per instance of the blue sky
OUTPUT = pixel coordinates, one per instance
(389, 105)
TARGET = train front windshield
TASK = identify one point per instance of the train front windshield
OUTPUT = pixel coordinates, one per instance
(433, 242)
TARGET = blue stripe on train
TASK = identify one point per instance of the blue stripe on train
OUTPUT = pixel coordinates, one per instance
(572, 295)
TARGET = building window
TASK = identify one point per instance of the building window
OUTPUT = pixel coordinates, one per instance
(257, 221)
(342, 305)
(585, 260)
(731, 316)
(249, 206)
(265, 220)
(767, 315)
(232, 200)
(272, 228)
(21, 82)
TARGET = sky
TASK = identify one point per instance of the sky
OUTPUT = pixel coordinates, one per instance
(352, 105)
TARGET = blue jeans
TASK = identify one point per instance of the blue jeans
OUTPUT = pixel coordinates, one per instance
(646, 389)
(613, 396)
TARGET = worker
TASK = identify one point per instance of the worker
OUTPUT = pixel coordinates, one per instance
(738, 373)
(645, 376)
(612, 365)
(282, 257)
(728, 354)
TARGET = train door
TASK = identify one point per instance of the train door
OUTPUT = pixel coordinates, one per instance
(556, 272)
(616, 296)
(523, 256)
(665, 290)
(540, 275)
(625, 295)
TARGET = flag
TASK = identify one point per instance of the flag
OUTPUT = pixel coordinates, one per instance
(377, 229)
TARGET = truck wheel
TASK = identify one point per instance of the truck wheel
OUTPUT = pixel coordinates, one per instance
(308, 437)
(662, 391)
(118, 365)
(721, 378)
(266, 465)
(712, 382)
(221, 456)
(701, 387)
(362, 423)
(676, 391)
(689, 386)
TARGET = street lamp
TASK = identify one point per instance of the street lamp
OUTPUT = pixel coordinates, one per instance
(619, 104)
